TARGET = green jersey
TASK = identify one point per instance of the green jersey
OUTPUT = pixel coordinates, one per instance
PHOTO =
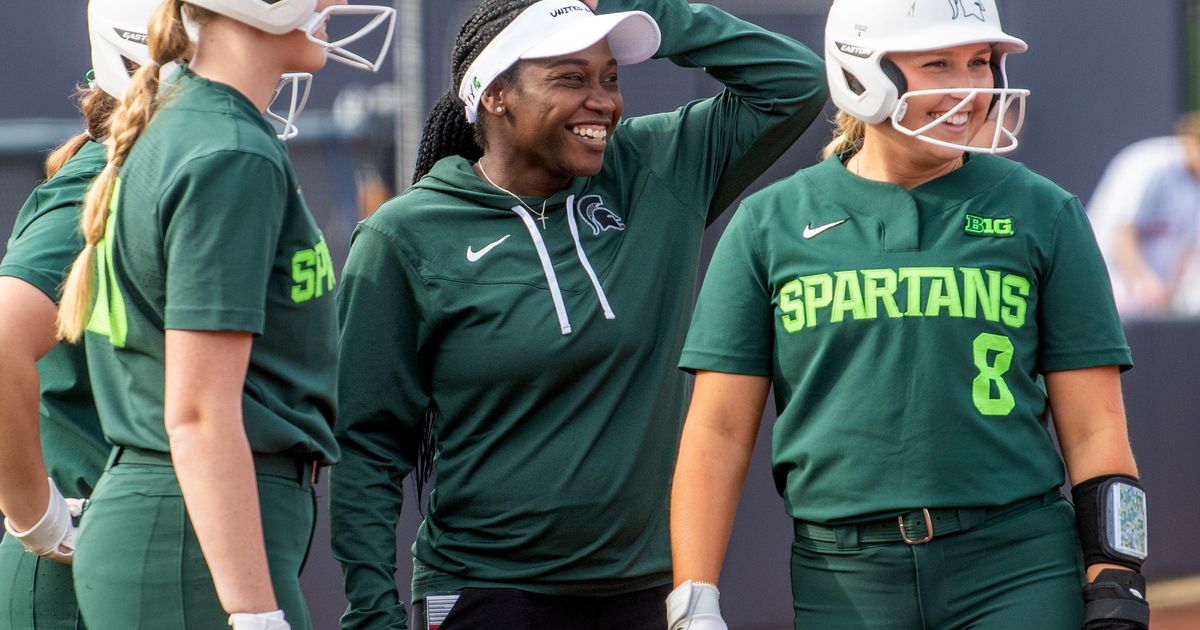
(546, 355)
(44, 243)
(208, 232)
(905, 331)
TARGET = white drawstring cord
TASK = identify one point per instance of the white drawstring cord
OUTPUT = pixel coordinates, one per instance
(587, 266)
(547, 267)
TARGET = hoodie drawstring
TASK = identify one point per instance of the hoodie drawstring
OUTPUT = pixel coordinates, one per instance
(564, 323)
(560, 309)
(583, 259)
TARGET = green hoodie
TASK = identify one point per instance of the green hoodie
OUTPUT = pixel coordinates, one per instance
(547, 355)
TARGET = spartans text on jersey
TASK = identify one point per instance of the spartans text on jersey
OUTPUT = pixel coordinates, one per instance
(905, 292)
(312, 272)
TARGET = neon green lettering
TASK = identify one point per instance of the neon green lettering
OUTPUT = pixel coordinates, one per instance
(792, 306)
(943, 293)
(913, 276)
(977, 295)
(880, 285)
(108, 311)
(814, 300)
(992, 373)
(1013, 293)
(847, 297)
(304, 275)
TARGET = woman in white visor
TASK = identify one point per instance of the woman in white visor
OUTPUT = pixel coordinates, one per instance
(205, 289)
(511, 323)
(919, 306)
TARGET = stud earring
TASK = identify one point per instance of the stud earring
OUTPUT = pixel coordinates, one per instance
(500, 110)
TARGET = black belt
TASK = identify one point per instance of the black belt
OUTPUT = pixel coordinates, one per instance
(296, 469)
(917, 526)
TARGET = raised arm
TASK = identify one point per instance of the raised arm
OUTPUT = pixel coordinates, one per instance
(709, 151)
(381, 408)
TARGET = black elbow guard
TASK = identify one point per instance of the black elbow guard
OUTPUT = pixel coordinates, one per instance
(1110, 512)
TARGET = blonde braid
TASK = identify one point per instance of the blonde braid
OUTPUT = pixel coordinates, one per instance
(848, 135)
(168, 41)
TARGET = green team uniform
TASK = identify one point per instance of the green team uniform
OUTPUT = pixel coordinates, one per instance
(208, 232)
(34, 591)
(904, 333)
(556, 425)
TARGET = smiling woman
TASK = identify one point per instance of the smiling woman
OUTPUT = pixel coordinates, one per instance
(530, 292)
(915, 352)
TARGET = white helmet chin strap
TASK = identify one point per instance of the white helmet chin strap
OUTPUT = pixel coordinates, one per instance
(336, 49)
(998, 114)
(298, 84)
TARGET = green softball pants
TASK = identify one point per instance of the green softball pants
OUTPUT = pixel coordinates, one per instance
(1011, 567)
(35, 593)
(138, 564)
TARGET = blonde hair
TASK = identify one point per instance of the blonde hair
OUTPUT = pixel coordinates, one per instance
(97, 107)
(848, 133)
(169, 42)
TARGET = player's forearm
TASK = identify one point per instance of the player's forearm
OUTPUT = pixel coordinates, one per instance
(709, 475)
(1089, 416)
(23, 489)
(216, 475)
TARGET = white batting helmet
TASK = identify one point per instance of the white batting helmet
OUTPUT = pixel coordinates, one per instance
(118, 32)
(864, 83)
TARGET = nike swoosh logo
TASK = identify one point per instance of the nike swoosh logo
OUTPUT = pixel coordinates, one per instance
(474, 256)
(810, 231)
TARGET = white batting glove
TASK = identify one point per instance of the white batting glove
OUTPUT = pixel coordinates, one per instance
(54, 535)
(695, 606)
(259, 621)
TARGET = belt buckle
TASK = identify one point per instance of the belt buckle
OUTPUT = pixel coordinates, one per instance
(928, 529)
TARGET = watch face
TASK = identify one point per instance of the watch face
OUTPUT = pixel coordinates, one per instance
(1127, 505)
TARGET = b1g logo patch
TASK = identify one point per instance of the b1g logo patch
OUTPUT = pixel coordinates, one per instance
(989, 226)
(592, 211)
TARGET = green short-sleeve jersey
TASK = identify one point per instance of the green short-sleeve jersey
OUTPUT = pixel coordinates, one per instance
(905, 332)
(43, 245)
(208, 231)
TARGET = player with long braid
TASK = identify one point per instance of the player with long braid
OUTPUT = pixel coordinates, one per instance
(205, 289)
(919, 305)
(48, 423)
(519, 310)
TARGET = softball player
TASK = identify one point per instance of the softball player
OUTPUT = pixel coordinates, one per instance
(527, 295)
(54, 433)
(919, 304)
(210, 340)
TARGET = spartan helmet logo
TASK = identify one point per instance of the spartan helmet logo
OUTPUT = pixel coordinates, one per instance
(963, 8)
(592, 211)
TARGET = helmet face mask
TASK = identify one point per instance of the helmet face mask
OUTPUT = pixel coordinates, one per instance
(865, 84)
(280, 17)
(296, 85)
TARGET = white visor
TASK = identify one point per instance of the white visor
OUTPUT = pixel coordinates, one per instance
(552, 28)
(296, 85)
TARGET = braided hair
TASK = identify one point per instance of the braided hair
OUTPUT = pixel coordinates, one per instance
(447, 131)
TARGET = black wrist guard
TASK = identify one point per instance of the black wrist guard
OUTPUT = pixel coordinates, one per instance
(1110, 512)
(1116, 600)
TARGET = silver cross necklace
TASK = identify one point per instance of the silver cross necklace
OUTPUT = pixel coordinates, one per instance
(541, 216)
